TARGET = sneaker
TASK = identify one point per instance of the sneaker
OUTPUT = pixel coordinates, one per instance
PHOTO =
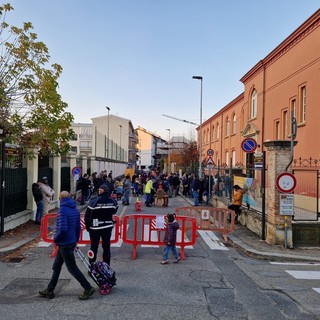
(164, 262)
(87, 294)
(177, 260)
(46, 294)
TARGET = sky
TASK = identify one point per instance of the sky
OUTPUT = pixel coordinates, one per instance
(138, 57)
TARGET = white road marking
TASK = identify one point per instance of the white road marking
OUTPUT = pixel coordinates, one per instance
(212, 240)
(296, 263)
(306, 275)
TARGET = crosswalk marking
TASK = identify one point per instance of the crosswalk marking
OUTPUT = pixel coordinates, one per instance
(306, 275)
(209, 238)
(212, 240)
(316, 289)
(296, 263)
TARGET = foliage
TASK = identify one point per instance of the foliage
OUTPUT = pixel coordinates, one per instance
(186, 158)
(32, 112)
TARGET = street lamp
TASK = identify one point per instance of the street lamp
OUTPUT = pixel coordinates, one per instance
(120, 139)
(200, 134)
(108, 134)
(3, 168)
(169, 163)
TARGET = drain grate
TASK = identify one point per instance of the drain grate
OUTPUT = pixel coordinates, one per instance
(15, 259)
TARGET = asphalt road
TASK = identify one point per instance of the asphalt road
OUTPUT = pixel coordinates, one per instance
(213, 282)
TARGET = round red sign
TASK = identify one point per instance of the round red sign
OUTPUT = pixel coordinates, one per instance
(286, 182)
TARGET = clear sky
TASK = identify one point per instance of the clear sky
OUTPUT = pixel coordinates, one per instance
(138, 56)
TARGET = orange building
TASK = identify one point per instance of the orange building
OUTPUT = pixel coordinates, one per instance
(287, 80)
(284, 83)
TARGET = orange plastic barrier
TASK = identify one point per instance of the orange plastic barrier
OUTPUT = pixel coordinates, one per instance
(153, 235)
(209, 218)
(49, 221)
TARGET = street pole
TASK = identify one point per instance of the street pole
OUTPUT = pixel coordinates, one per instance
(3, 167)
(120, 140)
(200, 129)
(169, 153)
(108, 134)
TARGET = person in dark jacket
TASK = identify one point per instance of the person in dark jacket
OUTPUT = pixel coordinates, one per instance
(38, 198)
(65, 238)
(99, 222)
(170, 238)
(195, 187)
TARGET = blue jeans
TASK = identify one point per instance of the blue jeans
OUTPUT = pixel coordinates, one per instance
(167, 250)
(66, 255)
(195, 197)
(40, 211)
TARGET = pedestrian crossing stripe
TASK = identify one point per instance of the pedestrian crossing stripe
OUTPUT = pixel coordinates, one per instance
(305, 275)
(208, 237)
(316, 289)
(212, 240)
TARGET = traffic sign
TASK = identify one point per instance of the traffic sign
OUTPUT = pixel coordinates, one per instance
(210, 152)
(210, 161)
(286, 182)
(76, 171)
(249, 145)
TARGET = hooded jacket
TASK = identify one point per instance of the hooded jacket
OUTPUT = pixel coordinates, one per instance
(68, 223)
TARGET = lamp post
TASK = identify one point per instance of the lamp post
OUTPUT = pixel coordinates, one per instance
(108, 134)
(200, 134)
(120, 126)
(3, 167)
(169, 153)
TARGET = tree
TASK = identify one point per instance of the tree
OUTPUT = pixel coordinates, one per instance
(187, 157)
(31, 109)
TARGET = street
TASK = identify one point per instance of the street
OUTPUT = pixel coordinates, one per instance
(215, 281)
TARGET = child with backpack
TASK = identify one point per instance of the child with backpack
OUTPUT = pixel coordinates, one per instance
(170, 239)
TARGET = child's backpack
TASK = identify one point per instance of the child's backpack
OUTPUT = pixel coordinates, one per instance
(103, 272)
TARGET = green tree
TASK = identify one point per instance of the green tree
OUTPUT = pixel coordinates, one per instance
(31, 109)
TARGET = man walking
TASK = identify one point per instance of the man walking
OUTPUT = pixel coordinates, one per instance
(66, 237)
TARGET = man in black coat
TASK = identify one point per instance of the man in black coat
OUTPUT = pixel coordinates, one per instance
(99, 222)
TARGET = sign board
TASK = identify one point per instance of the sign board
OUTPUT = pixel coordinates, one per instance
(286, 182)
(258, 160)
(210, 161)
(76, 171)
(249, 145)
(205, 214)
(210, 152)
(287, 204)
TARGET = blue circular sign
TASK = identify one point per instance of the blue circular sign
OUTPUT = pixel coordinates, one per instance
(76, 171)
(249, 145)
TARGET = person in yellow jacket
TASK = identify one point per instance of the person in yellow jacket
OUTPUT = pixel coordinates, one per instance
(149, 192)
(237, 201)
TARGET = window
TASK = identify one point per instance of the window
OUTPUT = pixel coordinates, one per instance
(74, 149)
(302, 107)
(227, 127)
(227, 158)
(234, 124)
(254, 104)
(285, 124)
(277, 130)
(74, 137)
(293, 108)
(233, 158)
(212, 134)
(218, 131)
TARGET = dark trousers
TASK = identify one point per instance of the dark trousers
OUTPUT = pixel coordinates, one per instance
(105, 235)
(236, 210)
(66, 255)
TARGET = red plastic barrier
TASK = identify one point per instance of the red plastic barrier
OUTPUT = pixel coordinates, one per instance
(209, 218)
(49, 220)
(154, 235)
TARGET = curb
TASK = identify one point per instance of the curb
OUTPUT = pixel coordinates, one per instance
(18, 245)
(268, 255)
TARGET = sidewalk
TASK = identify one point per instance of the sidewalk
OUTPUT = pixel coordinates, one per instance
(243, 238)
